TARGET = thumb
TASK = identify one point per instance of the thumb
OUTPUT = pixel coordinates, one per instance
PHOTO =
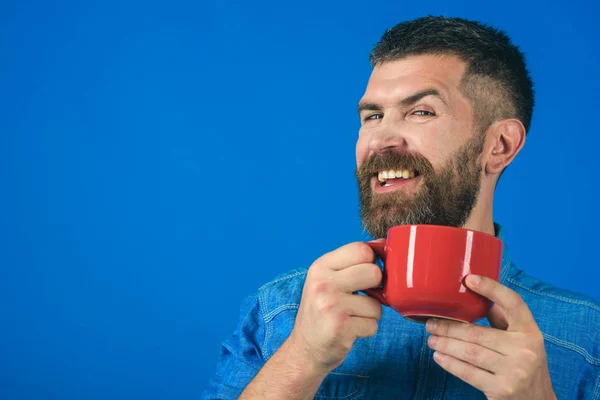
(497, 318)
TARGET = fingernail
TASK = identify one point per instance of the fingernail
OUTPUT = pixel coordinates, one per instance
(437, 357)
(432, 341)
(474, 280)
(431, 325)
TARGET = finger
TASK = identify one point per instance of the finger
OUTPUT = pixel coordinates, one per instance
(497, 317)
(474, 354)
(517, 313)
(361, 306)
(476, 377)
(491, 338)
(358, 277)
(363, 327)
(345, 256)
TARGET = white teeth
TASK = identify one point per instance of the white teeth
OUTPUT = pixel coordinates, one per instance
(383, 176)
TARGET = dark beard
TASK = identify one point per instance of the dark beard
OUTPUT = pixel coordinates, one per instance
(445, 198)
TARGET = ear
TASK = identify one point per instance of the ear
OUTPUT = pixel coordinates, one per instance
(505, 139)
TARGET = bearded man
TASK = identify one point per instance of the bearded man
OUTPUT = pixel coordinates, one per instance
(446, 110)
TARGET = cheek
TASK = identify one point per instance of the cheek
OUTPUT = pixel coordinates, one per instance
(437, 154)
(438, 147)
(362, 150)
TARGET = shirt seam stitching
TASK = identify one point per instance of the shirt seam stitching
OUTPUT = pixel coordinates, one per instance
(348, 396)
(283, 278)
(353, 375)
(422, 360)
(284, 307)
(505, 272)
(264, 350)
(360, 388)
(442, 385)
(597, 390)
(573, 347)
(263, 301)
(565, 299)
(428, 353)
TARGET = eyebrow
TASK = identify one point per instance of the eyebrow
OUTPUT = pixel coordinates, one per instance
(406, 102)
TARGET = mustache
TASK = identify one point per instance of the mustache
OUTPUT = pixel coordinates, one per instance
(392, 160)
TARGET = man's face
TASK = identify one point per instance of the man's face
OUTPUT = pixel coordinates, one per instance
(418, 150)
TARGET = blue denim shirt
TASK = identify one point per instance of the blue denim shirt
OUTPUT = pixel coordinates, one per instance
(397, 363)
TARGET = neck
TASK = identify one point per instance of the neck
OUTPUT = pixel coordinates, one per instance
(482, 216)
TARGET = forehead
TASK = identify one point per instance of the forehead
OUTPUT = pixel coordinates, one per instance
(393, 79)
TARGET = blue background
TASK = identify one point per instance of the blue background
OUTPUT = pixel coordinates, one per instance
(159, 161)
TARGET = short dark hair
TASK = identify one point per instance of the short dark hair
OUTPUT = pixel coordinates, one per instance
(496, 80)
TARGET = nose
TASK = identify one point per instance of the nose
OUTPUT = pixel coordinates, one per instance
(387, 139)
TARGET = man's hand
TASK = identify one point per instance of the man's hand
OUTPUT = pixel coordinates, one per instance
(507, 361)
(331, 317)
(329, 320)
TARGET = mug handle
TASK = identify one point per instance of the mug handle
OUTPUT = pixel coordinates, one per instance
(377, 293)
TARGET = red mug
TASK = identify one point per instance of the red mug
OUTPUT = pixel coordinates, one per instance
(425, 267)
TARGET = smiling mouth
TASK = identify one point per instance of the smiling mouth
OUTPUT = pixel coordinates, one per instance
(392, 177)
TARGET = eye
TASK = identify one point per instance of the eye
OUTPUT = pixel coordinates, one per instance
(373, 116)
(423, 113)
